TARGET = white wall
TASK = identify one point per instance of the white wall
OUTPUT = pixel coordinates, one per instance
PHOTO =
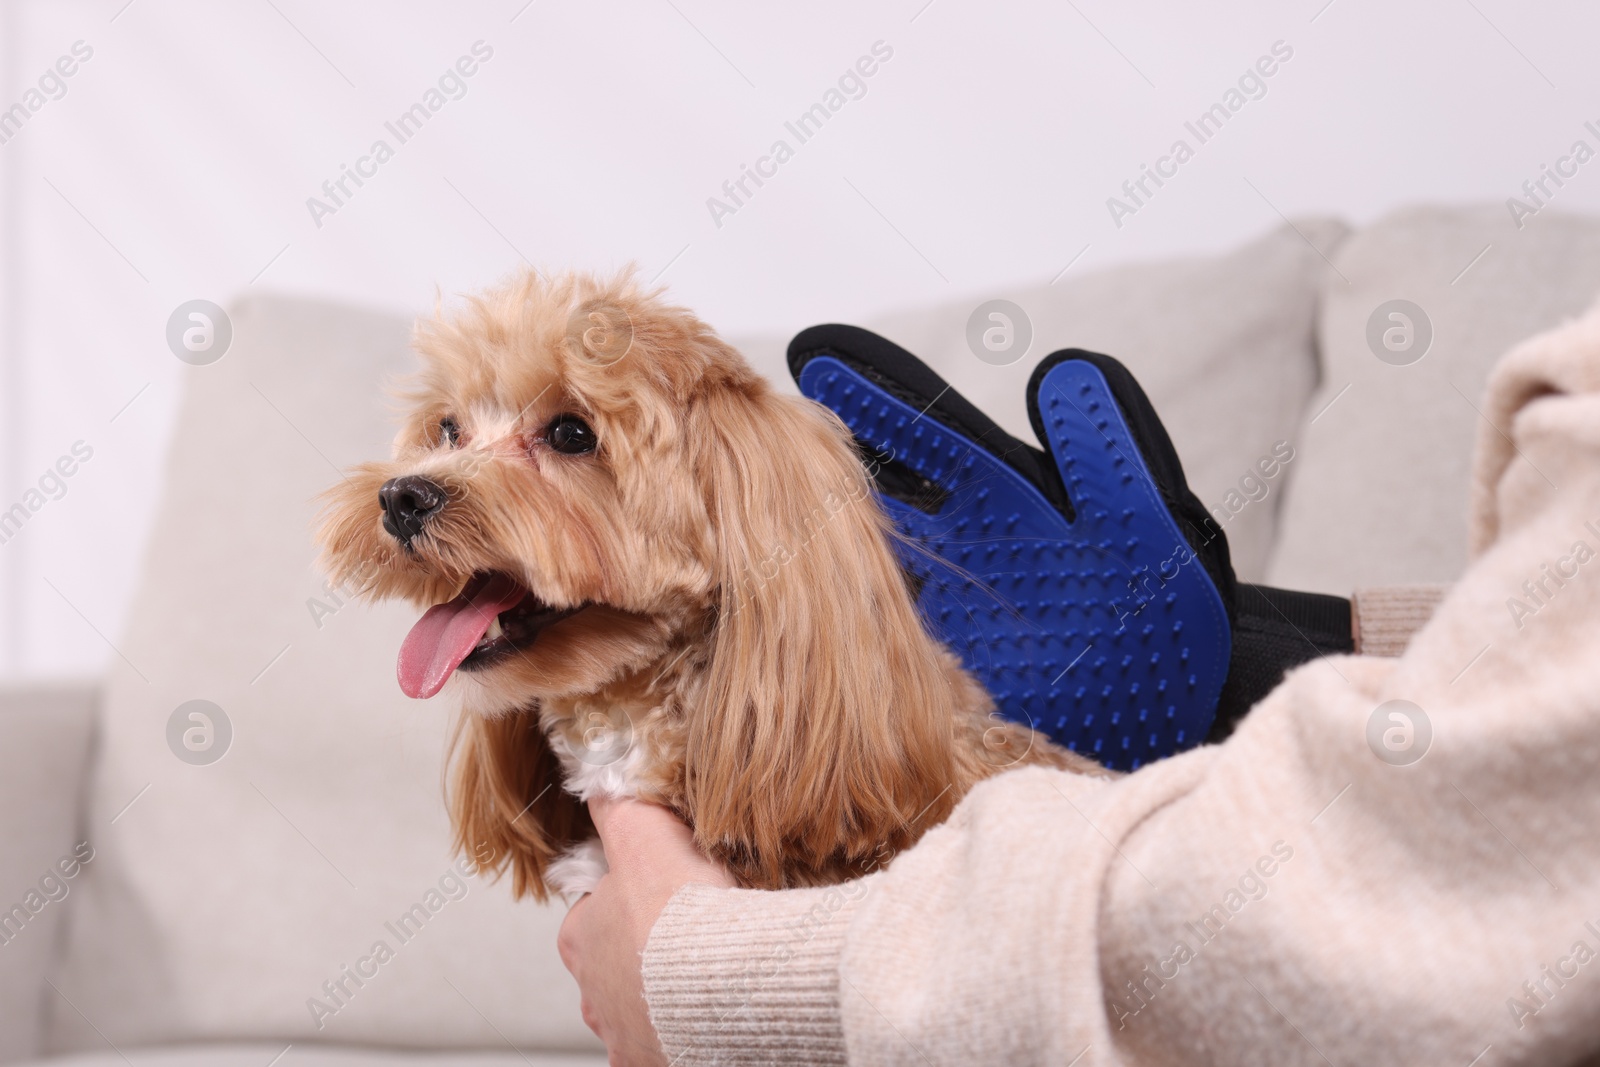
(180, 159)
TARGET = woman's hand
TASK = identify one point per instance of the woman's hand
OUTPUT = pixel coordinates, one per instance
(652, 855)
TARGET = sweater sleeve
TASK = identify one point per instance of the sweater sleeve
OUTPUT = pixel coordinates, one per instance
(1387, 616)
(741, 976)
(1393, 860)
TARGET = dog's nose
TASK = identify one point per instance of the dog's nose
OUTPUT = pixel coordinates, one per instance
(408, 503)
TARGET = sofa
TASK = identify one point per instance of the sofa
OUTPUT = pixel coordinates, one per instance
(232, 847)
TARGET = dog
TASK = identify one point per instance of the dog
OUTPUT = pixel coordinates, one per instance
(649, 574)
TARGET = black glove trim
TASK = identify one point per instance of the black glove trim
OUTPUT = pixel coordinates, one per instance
(903, 375)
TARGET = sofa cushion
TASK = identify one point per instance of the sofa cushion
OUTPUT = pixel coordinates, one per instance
(44, 752)
(226, 897)
(1380, 493)
(1223, 346)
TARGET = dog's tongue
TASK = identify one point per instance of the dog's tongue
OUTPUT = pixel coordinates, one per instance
(444, 636)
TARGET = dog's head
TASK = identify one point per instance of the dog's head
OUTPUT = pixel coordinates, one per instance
(542, 503)
(589, 482)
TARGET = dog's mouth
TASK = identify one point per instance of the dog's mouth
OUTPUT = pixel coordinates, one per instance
(495, 616)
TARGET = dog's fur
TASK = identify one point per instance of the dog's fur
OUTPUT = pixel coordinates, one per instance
(749, 656)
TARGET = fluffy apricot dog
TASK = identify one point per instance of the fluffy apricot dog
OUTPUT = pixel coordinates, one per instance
(650, 574)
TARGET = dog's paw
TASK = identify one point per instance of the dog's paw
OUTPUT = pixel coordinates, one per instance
(579, 869)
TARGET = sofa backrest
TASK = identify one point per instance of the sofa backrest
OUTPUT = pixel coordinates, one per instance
(1380, 493)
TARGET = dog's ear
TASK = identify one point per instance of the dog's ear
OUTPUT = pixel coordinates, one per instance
(825, 728)
(506, 801)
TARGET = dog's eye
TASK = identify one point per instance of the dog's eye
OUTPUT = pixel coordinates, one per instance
(571, 435)
(449, 432)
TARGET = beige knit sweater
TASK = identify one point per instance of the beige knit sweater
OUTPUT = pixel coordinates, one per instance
(1299, 894)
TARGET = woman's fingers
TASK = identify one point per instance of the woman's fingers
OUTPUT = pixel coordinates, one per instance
(648, 840)
(627, 820)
